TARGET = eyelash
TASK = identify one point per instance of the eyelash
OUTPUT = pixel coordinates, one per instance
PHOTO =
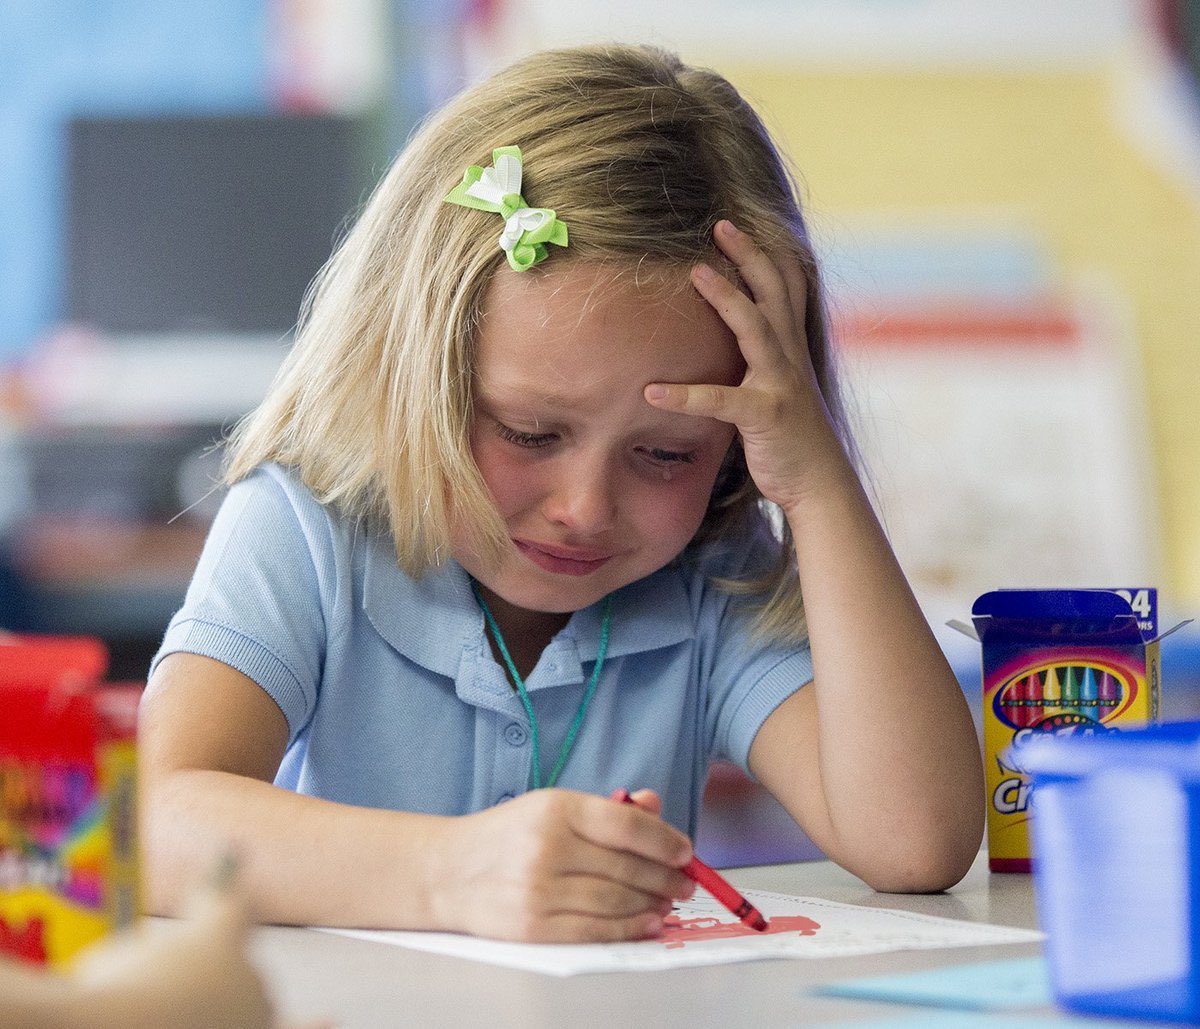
(670, 456)
(529, 440)
(535, 441)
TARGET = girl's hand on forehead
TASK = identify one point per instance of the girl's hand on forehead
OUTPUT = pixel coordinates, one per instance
(787, 435)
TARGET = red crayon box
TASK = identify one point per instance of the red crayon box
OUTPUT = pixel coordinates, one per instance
(68, 839)
(1057, 662)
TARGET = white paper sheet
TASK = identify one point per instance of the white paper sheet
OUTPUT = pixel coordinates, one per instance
(701, 932)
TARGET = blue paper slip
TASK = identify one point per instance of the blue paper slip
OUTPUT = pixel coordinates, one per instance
(992, 986)
(977, 1020)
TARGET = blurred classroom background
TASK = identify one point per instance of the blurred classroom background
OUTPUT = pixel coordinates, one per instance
(1006, 199)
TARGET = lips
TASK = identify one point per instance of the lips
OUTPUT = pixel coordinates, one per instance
(562, 560)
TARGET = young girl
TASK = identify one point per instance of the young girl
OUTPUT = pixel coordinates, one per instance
(526, 518)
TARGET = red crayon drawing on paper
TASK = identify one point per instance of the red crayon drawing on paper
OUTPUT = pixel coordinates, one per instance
(679, 931)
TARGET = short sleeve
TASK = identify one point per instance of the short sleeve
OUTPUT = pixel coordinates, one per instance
(255, 602)
(746, 678)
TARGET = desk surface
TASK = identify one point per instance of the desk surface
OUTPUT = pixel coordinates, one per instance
(357, 983)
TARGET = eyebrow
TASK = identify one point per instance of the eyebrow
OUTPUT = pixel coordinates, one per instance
(523, 393)
(534, 397)
(672, 431)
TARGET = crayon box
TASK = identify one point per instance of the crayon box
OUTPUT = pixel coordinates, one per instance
(68, 847)
(1060, 662)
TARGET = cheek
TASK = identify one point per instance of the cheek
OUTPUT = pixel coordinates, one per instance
(684, 502)
(673, 511)
(510, 481)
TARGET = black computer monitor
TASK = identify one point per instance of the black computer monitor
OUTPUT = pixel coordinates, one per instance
(204, 224)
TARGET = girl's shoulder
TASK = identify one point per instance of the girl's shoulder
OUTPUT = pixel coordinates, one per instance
(285, 486)
(271, 478)
(274, 498)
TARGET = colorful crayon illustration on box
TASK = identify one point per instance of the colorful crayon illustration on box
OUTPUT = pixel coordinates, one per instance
(1056, 662)
(68, 847)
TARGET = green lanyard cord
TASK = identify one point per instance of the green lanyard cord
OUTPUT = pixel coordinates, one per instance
(569, 742)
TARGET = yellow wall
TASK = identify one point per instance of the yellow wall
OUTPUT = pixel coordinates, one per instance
(1047, 146)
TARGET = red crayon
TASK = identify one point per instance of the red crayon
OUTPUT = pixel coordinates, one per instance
(1017, 703)
(714, 882)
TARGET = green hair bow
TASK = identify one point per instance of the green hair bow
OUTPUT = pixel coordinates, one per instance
(527, 229)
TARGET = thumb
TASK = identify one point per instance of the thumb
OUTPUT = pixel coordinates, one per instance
(648, 800)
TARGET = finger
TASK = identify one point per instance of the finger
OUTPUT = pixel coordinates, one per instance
(622, 868)
(760, 273)
(606, 898)
(625, 843)
(648, 800)
(627, 828)
(649, 878)
(756, 337)
(224, 916)
(570, 927)
(731, 404)
(795, 279)
(609, 867)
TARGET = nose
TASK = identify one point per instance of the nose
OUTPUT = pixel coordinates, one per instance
(583, 500)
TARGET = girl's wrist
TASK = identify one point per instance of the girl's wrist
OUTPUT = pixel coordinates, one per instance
(441, 875)
(828, 473)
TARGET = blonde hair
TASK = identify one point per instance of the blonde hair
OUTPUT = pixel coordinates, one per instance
(640, 155)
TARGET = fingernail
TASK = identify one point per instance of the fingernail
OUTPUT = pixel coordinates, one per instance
(704, 273)
(656, 392)
(727, 228)
(652, 925)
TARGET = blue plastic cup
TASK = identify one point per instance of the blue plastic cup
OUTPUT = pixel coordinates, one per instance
(1116, 863)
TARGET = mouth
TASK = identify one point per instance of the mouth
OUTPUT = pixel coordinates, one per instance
(562, 560)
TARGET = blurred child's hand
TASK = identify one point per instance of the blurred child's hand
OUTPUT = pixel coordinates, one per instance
(191, 974)
(554, 866)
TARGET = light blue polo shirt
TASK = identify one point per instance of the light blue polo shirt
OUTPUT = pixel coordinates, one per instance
(391, 693)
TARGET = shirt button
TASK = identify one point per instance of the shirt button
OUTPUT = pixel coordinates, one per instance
(515, 734)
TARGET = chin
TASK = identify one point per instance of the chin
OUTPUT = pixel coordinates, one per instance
(536, 590)
(560, 600)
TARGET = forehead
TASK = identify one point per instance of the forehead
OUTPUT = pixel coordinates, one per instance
(582, 327)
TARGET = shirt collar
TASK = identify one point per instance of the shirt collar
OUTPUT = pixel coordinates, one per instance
(434, 619)
(647, 615)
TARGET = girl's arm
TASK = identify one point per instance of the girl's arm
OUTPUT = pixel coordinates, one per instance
(551, 865)
(877, 758)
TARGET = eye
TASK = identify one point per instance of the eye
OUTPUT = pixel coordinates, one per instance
(669, 456)
(529, 440)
